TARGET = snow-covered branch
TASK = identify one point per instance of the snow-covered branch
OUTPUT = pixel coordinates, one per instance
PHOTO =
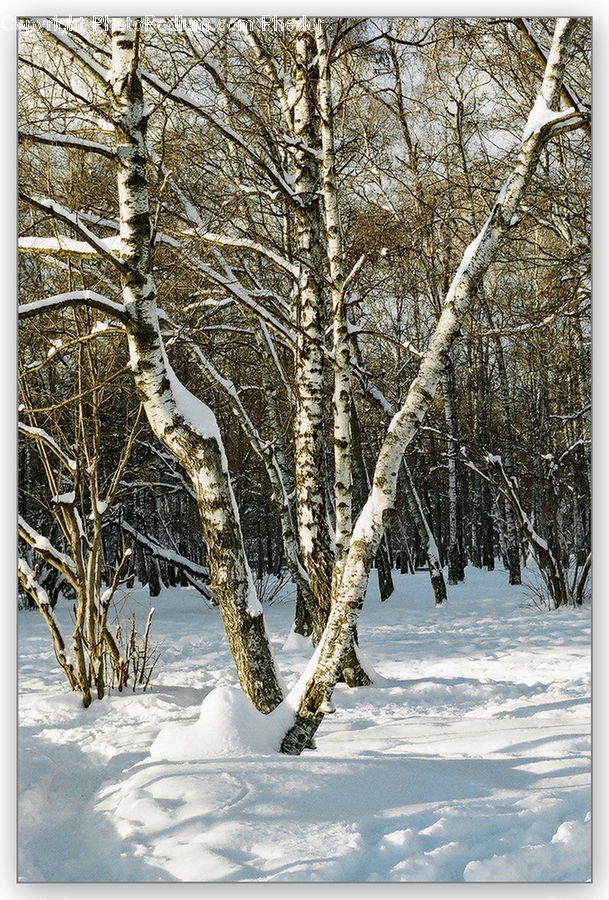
(229, 281)
(222, 240)
(66, 140)
(57, 211)
(29, 584)
(39, 434)
(64, 246)
(164, 553)
(89, 299)
(61, 561)
(89, 66)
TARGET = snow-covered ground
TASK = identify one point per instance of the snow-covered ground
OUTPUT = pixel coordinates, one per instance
(468, 760)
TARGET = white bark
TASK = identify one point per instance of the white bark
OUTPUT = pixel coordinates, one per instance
(182, 422)
(312, 517)
(370, 525)
(343, 475)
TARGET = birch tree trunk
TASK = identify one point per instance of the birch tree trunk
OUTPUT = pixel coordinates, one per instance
(341, 398)
(319, 557)
(312, 512)
(371, 523)
(456, 571)
(185, 425)
(343, 476)
(427, 539)
(512, 548)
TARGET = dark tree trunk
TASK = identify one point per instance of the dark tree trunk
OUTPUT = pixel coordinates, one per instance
(154, 581)
(383, 568)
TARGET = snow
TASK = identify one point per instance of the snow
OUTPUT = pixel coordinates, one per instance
(39, 542)
(58, 300)
(228, 726)
(299, 642)
(45, 437)
(292, 96)
(68, 140)
(468, 760)
(68, 498)
(64, 244)
(197, 414)
(540, 116)
(42, 598)
(165, 552)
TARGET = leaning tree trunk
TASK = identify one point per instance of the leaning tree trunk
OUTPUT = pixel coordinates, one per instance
(426, 537)
(371, 523)
(549, 563)
(361, 487)
(183, 423)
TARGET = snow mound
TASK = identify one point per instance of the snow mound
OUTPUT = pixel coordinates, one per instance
(228, 726)
(565, 858)
(297, 642)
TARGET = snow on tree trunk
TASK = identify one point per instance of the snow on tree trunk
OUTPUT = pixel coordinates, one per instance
(312, 512)
(343, 477)
(183, 423)
(372, 520)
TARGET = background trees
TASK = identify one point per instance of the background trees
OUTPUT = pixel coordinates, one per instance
(274, 220)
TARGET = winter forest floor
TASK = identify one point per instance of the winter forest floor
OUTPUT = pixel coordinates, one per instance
(468, 760)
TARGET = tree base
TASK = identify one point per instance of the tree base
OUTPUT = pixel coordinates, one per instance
(353, 675)
(300, 735)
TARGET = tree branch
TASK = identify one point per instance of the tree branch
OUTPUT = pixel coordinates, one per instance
(89, 299)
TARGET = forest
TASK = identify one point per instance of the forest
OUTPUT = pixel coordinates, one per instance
(300, 300)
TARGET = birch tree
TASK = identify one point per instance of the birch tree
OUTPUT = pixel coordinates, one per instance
(544, 119)
(185, 425)
(291, 210)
